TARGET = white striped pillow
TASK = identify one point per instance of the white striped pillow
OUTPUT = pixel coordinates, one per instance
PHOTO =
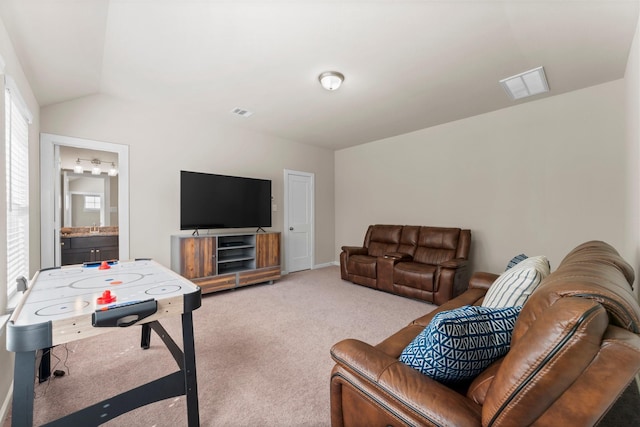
(515, 285)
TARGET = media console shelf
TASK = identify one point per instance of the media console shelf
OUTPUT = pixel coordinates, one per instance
(217, 262)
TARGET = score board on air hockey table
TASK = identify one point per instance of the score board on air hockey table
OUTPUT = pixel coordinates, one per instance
(69, 303)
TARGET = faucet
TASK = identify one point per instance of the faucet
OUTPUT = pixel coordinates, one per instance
(94, 229)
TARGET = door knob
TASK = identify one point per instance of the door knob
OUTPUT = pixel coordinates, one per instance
(290, 228)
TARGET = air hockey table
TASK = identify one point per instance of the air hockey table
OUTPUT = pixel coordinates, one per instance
(69, 303)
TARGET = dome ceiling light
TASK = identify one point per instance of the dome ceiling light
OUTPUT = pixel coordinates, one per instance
(331, 80)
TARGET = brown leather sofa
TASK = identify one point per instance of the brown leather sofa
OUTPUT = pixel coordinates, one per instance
(575, 348)
(427, 263)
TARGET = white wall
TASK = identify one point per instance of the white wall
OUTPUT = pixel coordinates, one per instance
(537, 178)
(632, 81)
(14, 69)
(162, 142)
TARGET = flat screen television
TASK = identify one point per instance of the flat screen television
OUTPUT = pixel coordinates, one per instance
(209, 201)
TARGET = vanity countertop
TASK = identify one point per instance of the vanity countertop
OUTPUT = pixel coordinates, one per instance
(70, 232)
(89, 234)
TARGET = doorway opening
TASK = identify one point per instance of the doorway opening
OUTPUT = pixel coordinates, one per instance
(73, 202)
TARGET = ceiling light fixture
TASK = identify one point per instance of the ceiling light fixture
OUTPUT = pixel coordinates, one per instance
(529, 83)
(96, 168)
(331, 80)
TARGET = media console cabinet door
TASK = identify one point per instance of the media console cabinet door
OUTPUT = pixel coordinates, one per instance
(197, 257)
(216, 283)
(267, 250)
(261, 275)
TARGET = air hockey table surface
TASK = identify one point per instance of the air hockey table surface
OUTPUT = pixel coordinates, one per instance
(69, 303)
(60, 302)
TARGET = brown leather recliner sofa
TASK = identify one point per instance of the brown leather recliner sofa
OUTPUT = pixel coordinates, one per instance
(574, 349)
(427, 263)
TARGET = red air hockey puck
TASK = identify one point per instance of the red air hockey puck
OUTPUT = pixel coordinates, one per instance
(106, 298)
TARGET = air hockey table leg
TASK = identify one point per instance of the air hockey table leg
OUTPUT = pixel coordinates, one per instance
(145, 341)
(191, 384)
(23, 387)
(44, 371)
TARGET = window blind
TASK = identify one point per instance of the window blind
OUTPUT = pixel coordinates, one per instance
(17, 182)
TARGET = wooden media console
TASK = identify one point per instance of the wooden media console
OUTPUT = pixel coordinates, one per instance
(216, 262)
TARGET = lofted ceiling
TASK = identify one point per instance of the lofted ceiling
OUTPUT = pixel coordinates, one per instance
(408, 65)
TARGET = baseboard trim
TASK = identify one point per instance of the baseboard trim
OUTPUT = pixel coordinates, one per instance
(326, 264)
(4, 410)
(316, 266)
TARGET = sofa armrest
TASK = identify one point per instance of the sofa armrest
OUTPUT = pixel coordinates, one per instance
(452, 279)
(454, 263)
(355, 250)
(348, 251)
(482, 280)
(404, 386)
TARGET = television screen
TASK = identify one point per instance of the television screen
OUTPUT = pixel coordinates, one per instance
(221, 201)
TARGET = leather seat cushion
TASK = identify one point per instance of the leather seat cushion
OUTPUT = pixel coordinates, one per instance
(362, 265)
(415, 275)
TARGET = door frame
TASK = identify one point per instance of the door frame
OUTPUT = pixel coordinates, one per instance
(50, 192)
(287, 234)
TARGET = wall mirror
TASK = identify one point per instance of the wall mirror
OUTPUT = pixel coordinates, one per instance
(88, 198)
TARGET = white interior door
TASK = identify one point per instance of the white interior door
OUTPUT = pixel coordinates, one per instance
(298, 220)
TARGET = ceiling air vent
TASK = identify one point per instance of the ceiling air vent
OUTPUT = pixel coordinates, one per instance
(241, 112)
(525, 84)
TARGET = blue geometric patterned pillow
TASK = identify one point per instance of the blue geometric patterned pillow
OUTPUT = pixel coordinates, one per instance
(515, 260)
(459, 344)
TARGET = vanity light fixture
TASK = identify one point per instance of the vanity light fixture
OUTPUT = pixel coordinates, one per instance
(96, 168)
(331, 80)
(525, 84)
(78, 167)
(112, 170)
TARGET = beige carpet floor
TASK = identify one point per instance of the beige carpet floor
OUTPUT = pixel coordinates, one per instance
(262, 356)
